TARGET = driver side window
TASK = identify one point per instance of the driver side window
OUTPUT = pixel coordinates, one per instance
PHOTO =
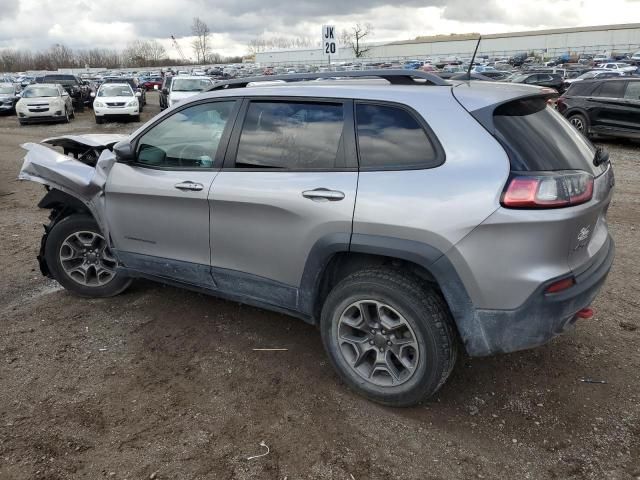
(187, 139)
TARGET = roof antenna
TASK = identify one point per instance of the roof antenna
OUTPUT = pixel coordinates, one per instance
(475, 52)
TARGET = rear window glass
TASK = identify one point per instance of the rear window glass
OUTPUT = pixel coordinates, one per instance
(581, 89)
(392, 137)
(611, 89)
(537, 138)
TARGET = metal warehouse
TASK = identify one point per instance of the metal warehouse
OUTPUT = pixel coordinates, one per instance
(592, 40)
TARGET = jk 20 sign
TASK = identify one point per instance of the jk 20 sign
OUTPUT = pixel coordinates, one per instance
(329, 40)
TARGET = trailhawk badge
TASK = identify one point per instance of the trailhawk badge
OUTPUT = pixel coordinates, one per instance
(584, 234)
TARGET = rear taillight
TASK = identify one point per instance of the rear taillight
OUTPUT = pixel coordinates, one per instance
(560, 285)
(553, 190)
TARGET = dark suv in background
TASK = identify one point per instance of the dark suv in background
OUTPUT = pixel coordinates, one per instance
(551, 80)
(80, 94)
(604, 107)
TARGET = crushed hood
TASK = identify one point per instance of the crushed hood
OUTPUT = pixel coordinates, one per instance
(83, 180)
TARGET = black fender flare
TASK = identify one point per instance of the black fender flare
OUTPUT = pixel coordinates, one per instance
(426, 256)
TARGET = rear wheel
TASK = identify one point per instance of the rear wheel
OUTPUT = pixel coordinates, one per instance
(80, 260)
(580, 122)
(389, 336)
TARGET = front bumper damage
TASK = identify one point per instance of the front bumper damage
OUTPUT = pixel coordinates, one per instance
(75, 178)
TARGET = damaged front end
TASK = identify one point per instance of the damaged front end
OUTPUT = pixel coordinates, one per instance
(74, 179)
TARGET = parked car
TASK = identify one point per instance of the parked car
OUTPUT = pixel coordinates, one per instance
(183, 87)
(135, 86)
(363, 214)
(619, 67)
(45, 102)
(152, 83)
(9, 96)
(603, 107)
(550, 80)
(79, 93)
(591, 75)
(116, 101)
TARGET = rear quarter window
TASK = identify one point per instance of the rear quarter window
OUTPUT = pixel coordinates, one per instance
(537, 138)
(391, 137)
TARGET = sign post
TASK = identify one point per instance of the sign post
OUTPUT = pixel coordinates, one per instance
(329, 41)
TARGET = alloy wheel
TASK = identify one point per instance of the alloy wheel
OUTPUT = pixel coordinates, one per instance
(378, 343)
(87, 260)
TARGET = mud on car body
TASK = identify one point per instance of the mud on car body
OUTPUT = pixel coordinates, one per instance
(479, 220)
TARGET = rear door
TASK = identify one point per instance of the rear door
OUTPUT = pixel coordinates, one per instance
(631, 114)
(608, 105)
(157, 207)
(288, 188)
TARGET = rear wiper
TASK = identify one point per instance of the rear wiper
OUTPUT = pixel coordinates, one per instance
(601, 156)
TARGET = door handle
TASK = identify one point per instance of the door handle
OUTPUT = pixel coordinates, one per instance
(189, 186)
(323, 194)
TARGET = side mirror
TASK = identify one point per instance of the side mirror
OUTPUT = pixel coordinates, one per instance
(138, 94)
(92, 94)
(124, 152)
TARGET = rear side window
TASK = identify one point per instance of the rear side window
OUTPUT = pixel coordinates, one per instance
(390, 137)
(611, 90)
(580, 89)
(287, 135)
(633, 91)
(537, 138)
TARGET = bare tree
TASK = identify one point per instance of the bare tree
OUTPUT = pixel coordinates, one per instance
(353, 38)
(201, 43)
(156, 51)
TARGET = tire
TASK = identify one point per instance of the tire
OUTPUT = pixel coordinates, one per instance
(70, 237)
(429, 344)
(580, 122)
(22, 123)
(99, 120)
(136, 118)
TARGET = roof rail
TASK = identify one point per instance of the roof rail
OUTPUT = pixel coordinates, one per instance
(395, 77)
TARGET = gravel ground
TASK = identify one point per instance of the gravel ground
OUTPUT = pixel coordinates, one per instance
(164, 383)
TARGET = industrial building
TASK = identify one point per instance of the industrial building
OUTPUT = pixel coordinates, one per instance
(591, 40)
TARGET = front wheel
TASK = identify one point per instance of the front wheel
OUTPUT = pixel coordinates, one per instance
(99, 120)
(80, 260)
(389, 336)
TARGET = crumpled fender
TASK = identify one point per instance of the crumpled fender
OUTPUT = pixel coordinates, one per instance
(62, 172)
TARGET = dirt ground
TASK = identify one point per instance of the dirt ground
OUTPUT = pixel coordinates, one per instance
(164, 383)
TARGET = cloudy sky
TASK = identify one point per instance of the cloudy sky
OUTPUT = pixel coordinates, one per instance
(37, 24)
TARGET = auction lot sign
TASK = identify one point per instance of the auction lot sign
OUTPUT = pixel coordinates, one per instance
(329, 40)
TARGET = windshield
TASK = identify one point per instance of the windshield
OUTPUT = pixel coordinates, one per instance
(190, 84)
(6, 89)
(34, 92)
(115, 91)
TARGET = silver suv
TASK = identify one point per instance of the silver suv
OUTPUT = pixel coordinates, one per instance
(406, 216)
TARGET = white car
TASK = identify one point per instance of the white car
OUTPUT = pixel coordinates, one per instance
(45, 102)
(187, 86)
(636, 57)
(116, 100)
(619, 67)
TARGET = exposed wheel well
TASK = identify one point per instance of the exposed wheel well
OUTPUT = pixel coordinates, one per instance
(343, 264)
(62, 205)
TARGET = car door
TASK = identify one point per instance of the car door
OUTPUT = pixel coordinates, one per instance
(631, 112)
(287, 190)
(157, 206)
(608, 106)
